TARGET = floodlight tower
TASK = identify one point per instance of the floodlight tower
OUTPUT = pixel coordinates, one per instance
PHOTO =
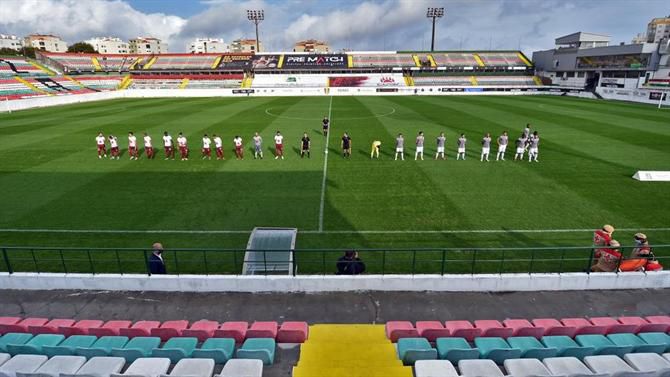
(256, 16)
(434, 13)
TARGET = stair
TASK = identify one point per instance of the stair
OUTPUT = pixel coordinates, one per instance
(151, 62)
(31, 86)
(409, 81)
(349, 351)
(134, 64)
(125, 83)
(432, 61)
(96, 63)
(537, 80)
(523, 59)
(479, 60)
(246, 83)
(216, 62)
(474, 81)
(184, 83)
(417, 61)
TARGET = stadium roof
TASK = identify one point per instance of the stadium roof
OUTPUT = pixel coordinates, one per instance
(582, 37)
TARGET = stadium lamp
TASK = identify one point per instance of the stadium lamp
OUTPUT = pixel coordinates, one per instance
(434, 13)
(256, 16)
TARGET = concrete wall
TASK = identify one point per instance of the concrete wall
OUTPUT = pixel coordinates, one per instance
(308, 283)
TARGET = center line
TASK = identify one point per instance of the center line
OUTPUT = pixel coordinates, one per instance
(325, 166)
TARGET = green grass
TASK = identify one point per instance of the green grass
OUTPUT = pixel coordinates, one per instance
(51, 179)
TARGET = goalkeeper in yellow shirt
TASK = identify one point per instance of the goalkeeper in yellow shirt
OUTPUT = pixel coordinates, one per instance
(374, 152)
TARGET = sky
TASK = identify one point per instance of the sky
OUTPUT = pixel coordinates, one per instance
(528, 25)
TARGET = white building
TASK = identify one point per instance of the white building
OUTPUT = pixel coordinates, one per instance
(658, 30)
(45, 42)
(207, 45)
(245, 45)
(108, 45)
(10, 41)
(147, 45)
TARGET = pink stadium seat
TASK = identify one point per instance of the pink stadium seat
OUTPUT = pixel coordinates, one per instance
(110, 328)
(140, 328)
(521, 327)
(201, 329)
(51, 327)
(659, 320)
(80, 328)
(462, 329)
(493, 328)
(613, 326)
(554, 327)
(583, 326)
(293, 332)
(4, 321)
(22, 326)
(170, 329)
(235, 330)
(431, 330)
(400, 329)
(263, 330)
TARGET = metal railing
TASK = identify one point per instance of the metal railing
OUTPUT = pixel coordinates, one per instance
(440, 261)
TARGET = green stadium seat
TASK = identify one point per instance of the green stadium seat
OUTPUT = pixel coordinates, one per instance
(69, 345)
(412, 349)
(602, 345)
(639, 345)
(103, 346)
(656, 338)
(455, 349)
(258, 348)
(34, 345)
(567, 347)
(496, 349)
(176, 348)
(219, 349)
(137, 347)
(531, 348)
(13, 338)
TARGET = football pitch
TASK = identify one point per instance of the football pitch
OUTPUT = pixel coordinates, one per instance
(56, 192)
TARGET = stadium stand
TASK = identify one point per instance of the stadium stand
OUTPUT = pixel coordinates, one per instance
(504, 59)
(186, 62)
(455, 59)
(213, 81)
(70, 63)
(100, 82)
(12, 89)
(18, 66)
(363, 60)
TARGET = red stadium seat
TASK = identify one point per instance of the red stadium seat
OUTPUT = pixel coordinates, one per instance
(493, 328)
(235, 330)
(521, 327)
(7, 321)
(400, 329)
(22, 326)
(660, 320)
(110, 328)
(462, 329)
(431, 330)
(80, 328)
(140, 328)
(51, 327)
(553, 327)
(613, 326)
(201, 329)
(170, 329)
(584, 327)
(293, 332)
(263, 330)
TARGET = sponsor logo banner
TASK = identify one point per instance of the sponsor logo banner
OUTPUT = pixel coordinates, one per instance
(265, 62)
(235, 61)
(243, 91)
(358, 81)
(315, 61)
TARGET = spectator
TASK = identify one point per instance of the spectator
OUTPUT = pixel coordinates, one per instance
(642, 250)
(602, 237)
(609, 258)
(156, 263)
(350, 264)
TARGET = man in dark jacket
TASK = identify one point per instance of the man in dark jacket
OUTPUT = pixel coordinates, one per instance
(350, 264)
(156, 263)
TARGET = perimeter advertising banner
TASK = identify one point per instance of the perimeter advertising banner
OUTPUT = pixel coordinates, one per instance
(265, 62)
(314, 61)
(361, 81)
(235, 62)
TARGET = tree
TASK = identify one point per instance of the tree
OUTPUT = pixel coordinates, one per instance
(28, 52)
(8, 52)
(82, 47)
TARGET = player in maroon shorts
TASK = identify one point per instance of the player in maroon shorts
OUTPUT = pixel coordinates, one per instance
(114, 147)
(239, 148)
(100, 141)
(183, 146)
(218, 145)
(148, 147)
(167, 143)
(206, 147)
(279, 146)
(132, 146)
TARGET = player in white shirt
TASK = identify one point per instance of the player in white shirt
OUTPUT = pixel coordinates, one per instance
(503, 140)
(419, 146)
(183, 146)
(148, 147)
(132, 146)
(258, 146)
(533, 149)
(167, 143)
(100, 142)
(460, 143)
(114, 147)
(441, 140)
(486, 147)
(206, 150)
(239, 148)
(218, 144)
(279, 146)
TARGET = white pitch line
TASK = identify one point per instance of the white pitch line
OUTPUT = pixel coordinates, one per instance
(450, 231)
(325, 165)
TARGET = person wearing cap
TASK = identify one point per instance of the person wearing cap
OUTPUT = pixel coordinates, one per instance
(602, 237)
(642, 250)
(609, 258)
(350, 264)
(156, 263)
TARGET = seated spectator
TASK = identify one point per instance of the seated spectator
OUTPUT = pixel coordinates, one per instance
(609, 258)
(350, 264)
(602, 237)
(642, 250)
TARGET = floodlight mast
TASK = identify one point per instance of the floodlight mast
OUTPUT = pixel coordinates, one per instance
(434, 13)
(256, 16)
